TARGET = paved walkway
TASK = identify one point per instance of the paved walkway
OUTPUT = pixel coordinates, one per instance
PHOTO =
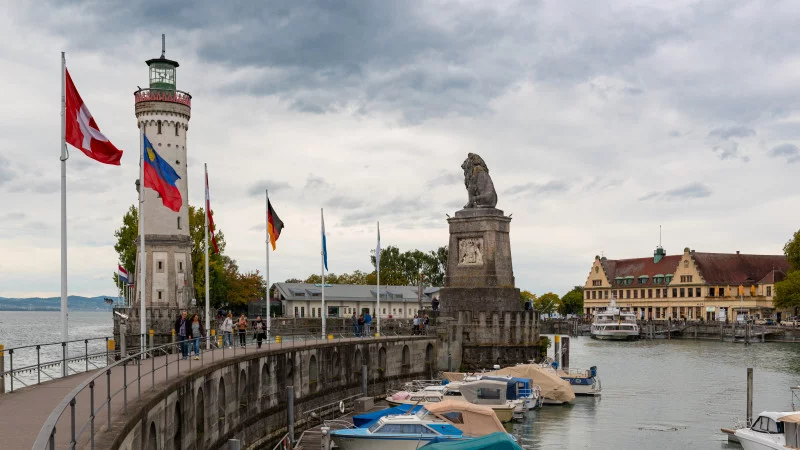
(24, 412)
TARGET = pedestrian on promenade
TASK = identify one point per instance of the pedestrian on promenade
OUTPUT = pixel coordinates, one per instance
(181, 328)
(368, 324)
(354, 319)
(227, 331)
(361, 325)
(425, 322)
(415, 324)
(260, 331)
(242, 326)
(435, 303)
(197, 332)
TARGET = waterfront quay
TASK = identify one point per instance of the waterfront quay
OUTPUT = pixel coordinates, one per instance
(254, 395)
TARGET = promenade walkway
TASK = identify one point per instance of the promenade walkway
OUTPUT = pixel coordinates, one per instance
(24, 411)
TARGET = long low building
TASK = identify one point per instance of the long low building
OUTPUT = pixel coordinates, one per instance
(303, 300)
(694, 285)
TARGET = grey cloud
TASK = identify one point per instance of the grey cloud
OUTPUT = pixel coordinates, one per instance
(788, 151)
(396, 210)
(602, 184)
(689, 191)
(445, 178)
(729, 150)
(259, 227)
(551, 187)
(315, 182)
(737, 131)
(258, 189)
(344, 202)
(6, 174)
(13, 216)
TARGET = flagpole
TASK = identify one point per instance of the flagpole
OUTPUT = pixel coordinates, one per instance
(208, 299)
(378, 268)
(142, 254)
(266, 272)
(64, 156)
(322, 270)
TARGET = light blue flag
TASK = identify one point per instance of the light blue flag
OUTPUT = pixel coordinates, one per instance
(324, 247)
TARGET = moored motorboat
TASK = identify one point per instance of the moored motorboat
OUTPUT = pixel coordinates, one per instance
(453, 391)
(448, 420)
(614, 324)
(771, 430)
(582, 381)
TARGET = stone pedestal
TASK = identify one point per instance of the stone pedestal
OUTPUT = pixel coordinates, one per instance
(479, 274)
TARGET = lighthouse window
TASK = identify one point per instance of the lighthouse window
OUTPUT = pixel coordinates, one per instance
(160, 265)
(159, 127)
(176, 129)
(180, 266)
(179, 223)
(159, 294)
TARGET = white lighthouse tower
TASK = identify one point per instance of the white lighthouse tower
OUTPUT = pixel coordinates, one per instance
(162, 113)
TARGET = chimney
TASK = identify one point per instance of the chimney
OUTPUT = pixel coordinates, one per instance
(737, 252)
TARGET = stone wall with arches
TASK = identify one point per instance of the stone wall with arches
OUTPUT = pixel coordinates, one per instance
(246, 397)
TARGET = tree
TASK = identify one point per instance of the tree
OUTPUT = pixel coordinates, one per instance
(572, 302)
(403, 269)
(792, 251)
(126, 241)
(525, 296)
(787, 292)
(546, 303)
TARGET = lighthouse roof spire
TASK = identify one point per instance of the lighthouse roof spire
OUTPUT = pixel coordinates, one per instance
(162, 59)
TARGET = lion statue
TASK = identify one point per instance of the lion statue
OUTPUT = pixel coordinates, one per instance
(480, 189)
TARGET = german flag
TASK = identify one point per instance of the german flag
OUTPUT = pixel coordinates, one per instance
(274, 225)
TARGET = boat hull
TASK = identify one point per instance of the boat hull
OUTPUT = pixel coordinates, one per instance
(751, 440)
(615, 336)
(383, 443)
(583, 386)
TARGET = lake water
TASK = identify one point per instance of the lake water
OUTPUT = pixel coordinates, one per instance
(656, 394)
(664, 394)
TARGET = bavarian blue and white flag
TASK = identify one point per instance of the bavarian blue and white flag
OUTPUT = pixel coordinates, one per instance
(324, 247)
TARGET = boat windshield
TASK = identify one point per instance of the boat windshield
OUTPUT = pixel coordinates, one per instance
(767, 425)
(375, 426)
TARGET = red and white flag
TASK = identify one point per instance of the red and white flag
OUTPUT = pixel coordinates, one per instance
(82, 131)
(210, 218)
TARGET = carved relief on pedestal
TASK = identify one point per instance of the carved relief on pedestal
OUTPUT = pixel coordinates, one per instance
(470, 252)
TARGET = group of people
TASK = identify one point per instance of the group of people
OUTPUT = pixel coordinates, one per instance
(362, 325)
(191, 330)
(420, 324)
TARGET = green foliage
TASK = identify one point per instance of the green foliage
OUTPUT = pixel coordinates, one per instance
(402, 269)
(787, 292)
(126, 241)
(543, 344)
(524, 296)
(792, 251)
(547, 303)
(572, 302)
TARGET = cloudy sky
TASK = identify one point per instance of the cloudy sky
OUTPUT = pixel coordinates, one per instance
(598, 122)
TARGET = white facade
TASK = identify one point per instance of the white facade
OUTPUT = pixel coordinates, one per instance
(163, 115)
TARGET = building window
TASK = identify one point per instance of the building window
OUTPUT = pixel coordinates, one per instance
(597, 282)
(587, 295)
(614, 294)
(594, 295)
(711, 292)
(697, 291)
(658, 293)
(176, 129)
(179, 223)
(605, 294)
(302, 311)
(682, 292)
(690, 292)
(159, 127)
(295, 311)
(769, 291)
(384, 310)
(313, 312)
(180, 266)
(649, 293)
(160, 266)
(627, 293)
(674, 292)
(635, 293)
(686, 278)
(160, 293)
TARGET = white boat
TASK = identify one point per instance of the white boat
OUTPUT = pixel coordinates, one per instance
(450, 420)
(614, 324)
(772, 430)
(492, 394)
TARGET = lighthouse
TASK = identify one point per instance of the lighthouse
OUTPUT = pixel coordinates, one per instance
(162, 114)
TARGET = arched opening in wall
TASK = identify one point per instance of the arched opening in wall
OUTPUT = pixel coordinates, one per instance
(405, 362)
(221, 406)
(356, 373)
(200, 418)
(177, 425)
(429, 361)
(152, 439)
(242, 394)
(313, 374)
(336, 367)
(382, 362)
(265, 387)
(289, 372)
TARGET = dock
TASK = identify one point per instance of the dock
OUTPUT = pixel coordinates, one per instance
(312, 437)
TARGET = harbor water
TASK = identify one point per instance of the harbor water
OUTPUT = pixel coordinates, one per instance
(657, 394)
(663, 394)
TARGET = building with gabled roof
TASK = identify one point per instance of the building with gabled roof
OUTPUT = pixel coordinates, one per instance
(342, 300)
(694, 285)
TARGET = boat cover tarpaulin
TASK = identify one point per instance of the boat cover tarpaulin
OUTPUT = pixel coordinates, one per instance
(366, 420)
(477, 420)
(553, 387)
(791, 418)
(453, 376)
(494, 441)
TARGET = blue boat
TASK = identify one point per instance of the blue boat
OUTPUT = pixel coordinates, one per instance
(520, 389)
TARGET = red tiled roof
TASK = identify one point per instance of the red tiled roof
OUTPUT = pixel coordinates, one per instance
(738, 269)
(640, 266)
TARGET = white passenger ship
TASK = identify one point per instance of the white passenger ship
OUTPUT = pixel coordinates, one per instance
(613, 324)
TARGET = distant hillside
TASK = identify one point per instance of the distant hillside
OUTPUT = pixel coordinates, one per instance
(75, 303)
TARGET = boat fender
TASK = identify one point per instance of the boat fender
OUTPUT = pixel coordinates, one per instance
(341, 407)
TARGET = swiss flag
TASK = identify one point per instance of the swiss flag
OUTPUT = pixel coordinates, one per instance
(83, 132)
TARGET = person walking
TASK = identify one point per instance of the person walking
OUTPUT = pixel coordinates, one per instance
(361, 325)
(425, 322)
(368, 324)
(227, 331)
(197, 332)
(260, 331)
(181, 328)
(241, 325)
(354, 319)
(415, 325)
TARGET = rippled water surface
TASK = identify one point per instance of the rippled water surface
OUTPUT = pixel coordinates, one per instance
(664, 394)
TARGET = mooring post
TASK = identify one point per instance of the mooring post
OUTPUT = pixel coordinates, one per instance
(290, 413)
(2, 369)
(565, 352)
(123, 348)
(364, 380)
(749, 396)
(557, 348)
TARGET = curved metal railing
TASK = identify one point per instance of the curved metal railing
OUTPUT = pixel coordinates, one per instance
(163, 95)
